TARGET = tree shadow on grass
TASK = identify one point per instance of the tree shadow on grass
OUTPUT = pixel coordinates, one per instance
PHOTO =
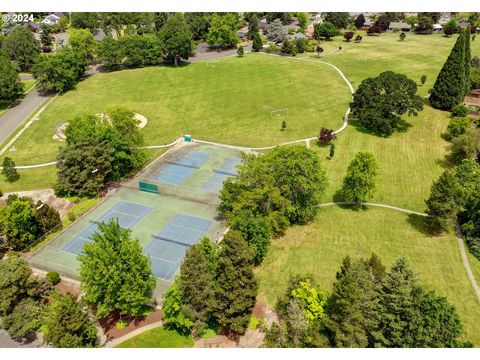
(420, 223)
(403, 126)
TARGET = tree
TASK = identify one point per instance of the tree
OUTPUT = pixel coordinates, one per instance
(353, 306)
(256, 232)
(45, 34)
(133, 49)
(82, 40)
(173, 315)
(25, 319)
(468, 60)
(449, 87)
(326, 135)
(360, 181)
(318, 50)
(348, 35)
(22, 47)
(302, 19)
(276, 32)
(332, 150)
(402, 36)
(253, 27)
(47, 217)
(383, 22)
(84, 20)
(339, 19)
(240, 51)
(451, 27)
(324, 30)
(115, 273)
(374, 29)
(236, 284)
(59, 72)
(379, 102)
(223, 31)
(11, 88)
(175, 39)
(457, 126)
(423, 79)
(360, 21)
(257, 42)
(67, 324)
(466, 146)
(358, 38)
(110, 53)
(15, 283)
(444, 201)
(198, 23)
(288, 47)
(18, 224)
(284, 186)
(424, 25)
(9, 170)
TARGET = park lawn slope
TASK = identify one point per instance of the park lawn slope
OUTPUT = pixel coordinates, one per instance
(158, 338)
(230, 102)
(408, 160)
(319, 248)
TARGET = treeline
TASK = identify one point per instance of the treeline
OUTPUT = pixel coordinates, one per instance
(367, 307)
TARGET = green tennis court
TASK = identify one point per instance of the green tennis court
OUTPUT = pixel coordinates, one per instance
(165, 217)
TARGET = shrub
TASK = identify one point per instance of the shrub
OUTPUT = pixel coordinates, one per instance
(72, 217)
(273, 48)
(457, 126)
(358, 38)
(301, 45)
(53, 277)
(326, 136)
(348, 35)
(459, 111)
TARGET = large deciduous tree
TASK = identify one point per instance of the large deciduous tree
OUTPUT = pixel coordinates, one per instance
(11, 87)
(324, 30)
(236, 284)
(22, 47)
(82, 40)
(223, 31)
(18, 224)
(15, 283)
(380, 102)
(175, 39)
(360, 181)
(115, 273)
(110, 53)
(339, 19)
(9, 170)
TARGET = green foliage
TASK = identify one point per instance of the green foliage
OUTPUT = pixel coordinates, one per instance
(83, 41)
(402, 36)
(67, 324)
(173, 315)
(302, 19)
(325, 30)
(424, 24)
(253, 26)
(276, 32)
(379, 102)
(339, 19)
(9, 170)
(288, 47)
(21, 47)
(458, 126)
(47, 217)
(284, 186)
(360, 181)
(223, 31)
(459, 110)
(332, 150)
(25, 319)
(256, 232)
(240, 51)
(198, 23)
(158, 337)
(18, 224)
(84, 20)
(59, 72)
(466, 146)
(468, 60)
(15, 283)
(449, 88)
(237, 287)
(257, 42)
(53, 277)
(11, 87)
(301, 45)
(110, 53)
(175, 39)
(443, 203)
(115, 273)
(423, 79)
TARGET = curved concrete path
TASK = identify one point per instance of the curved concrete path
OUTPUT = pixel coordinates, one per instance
(117, 341)
(466, 263)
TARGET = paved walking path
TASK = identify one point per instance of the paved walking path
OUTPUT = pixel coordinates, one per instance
(377, 205)
(117, 341)
(466, 263)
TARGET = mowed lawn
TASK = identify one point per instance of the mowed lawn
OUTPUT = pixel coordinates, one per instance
(158, 338)
(319, 248)
(229, 103)
(408, 160)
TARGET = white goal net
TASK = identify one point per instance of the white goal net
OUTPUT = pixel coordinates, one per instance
(212, 63)
(279, 113)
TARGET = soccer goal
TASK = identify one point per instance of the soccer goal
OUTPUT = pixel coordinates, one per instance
(212, 63)
(279, 113)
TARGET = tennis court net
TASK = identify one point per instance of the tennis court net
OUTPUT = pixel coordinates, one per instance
(225, 172)
(180, 163)
(170, 240)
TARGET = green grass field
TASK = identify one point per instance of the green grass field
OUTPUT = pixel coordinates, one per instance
(319, 248)
(158, 338)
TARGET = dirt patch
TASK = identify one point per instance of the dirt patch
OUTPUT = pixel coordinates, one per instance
(111, 332)
(65, 287)
(262, 310)
(46, 196)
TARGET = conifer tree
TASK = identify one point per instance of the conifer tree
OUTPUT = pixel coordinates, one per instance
(449, 88)
(236, 284)
(444, 201)
(257, 42)
(468, 60)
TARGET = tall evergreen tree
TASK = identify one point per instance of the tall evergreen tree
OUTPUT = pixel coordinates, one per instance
(468, 60)
(449, 88)
(236, 284)
(257, 42)
(197, 285)
(353, 307)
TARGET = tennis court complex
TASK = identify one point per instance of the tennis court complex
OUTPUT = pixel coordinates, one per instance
(176, 211)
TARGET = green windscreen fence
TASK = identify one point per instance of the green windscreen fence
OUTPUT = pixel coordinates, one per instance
(148, 187)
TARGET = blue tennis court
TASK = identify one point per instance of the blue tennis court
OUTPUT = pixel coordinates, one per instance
(176, 173)
(228, 169)
(167, 249)
(127, 213)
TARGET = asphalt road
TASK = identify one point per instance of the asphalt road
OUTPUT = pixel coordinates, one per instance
(14, 117)
(7, 342)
